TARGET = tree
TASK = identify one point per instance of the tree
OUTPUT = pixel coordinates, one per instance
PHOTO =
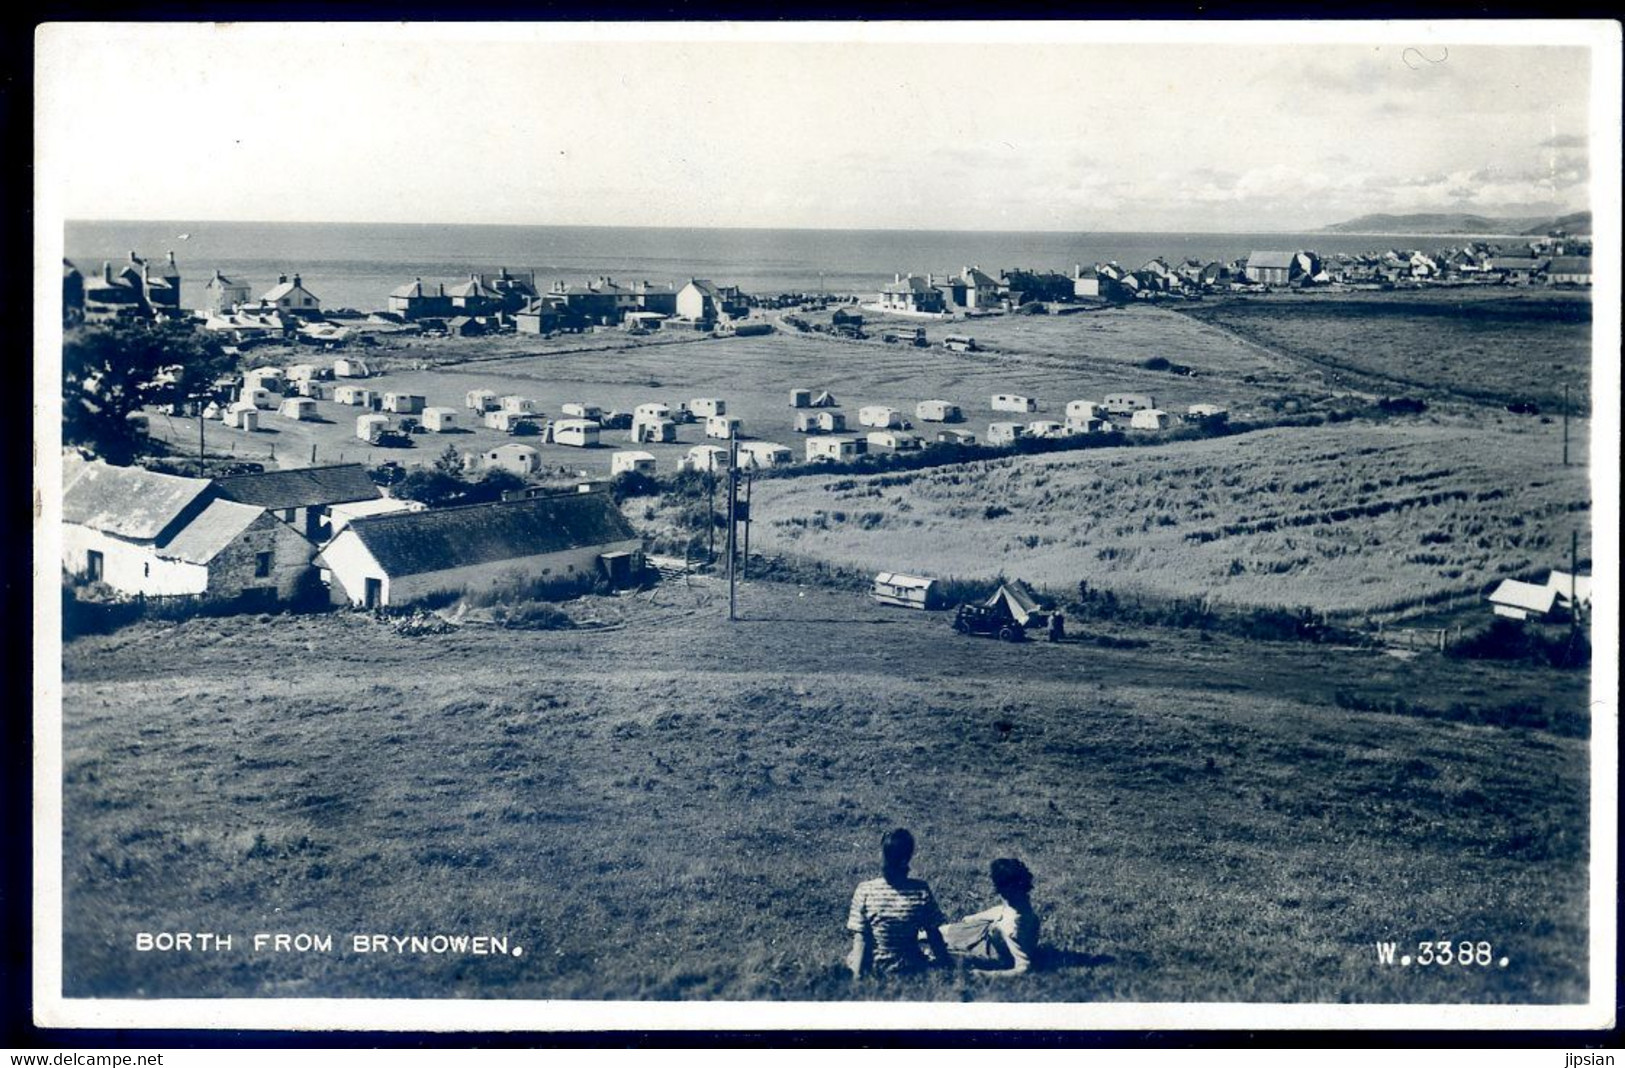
(110, 371)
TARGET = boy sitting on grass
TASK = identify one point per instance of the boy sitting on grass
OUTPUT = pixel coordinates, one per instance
(889, 914)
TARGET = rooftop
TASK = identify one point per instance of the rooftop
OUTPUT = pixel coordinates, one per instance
(302, 487)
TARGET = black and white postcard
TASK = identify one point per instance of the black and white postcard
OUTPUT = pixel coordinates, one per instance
(1020, 525)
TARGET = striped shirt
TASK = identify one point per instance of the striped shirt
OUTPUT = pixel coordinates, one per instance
(893, 917)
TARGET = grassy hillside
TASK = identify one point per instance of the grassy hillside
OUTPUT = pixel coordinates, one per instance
(1443, 344)
(673, 807)
(1339, 517)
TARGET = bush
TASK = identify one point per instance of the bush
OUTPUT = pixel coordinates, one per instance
(1508, 639)
(533, 615)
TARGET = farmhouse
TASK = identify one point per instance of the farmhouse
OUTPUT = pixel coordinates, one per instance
(764, 454)
(522, 460)
(440, 420)
(907, 591)
(1522, 600)
(826, 449)
(632, 460)
(398, 559)
(1013, 402)
(937, 411)
(143, 533)
(301, 496)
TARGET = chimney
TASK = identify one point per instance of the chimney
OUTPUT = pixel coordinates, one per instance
(930, 278)
(296, 281)
(107, 272)
(133, 257)
(1077, 270)
(897, 279)
(281, 279)
(172, 260)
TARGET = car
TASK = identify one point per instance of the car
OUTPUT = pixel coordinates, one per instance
(990, 622)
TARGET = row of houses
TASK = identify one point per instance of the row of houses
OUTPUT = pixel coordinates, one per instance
(142, 289)
(258, 539)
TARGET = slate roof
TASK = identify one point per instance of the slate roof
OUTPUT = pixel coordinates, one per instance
(979, 278)
(282, 289)
(1279, 260)
(300, 488)
(131, 502)
(1569, 265)
(706, 286)
(472, 288)
(440, 539)
(911, 284)
(216, 527)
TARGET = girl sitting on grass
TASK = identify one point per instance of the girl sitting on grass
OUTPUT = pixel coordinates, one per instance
(1002, 940)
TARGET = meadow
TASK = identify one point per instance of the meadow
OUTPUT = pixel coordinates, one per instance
(1359, 517)
(1492, 347)
(664, 805)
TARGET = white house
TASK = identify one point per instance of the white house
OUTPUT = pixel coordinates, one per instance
(521, 460)
(398, 559)
(140, 532)
(291, 297)
(632, 460)
(1013, 402)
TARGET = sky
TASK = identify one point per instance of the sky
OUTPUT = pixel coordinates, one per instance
(1025, 128)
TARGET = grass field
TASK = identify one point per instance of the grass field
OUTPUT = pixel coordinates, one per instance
(673, 807)
(1495, 348)
(1054, 359)
(1336, 518)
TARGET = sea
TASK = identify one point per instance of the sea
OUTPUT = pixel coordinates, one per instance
(355, 265)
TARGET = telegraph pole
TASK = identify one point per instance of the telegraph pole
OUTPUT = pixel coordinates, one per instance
(1565, 425)
(733, 523)
(744, 556)
(711, 512)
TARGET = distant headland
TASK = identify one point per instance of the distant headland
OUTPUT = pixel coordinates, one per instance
(1439, 223)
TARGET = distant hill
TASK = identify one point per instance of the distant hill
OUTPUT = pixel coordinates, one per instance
(1459, 223)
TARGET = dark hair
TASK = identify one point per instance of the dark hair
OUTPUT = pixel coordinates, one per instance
(897, 848)
(1010, 876)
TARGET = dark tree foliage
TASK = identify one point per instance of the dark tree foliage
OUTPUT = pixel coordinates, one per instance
(110, 371)
(440, 487)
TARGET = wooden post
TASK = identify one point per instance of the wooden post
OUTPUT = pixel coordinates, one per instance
(1565, 424)
(744, 556)
(200, 454)
(1574, 579)
(733, 524)
(711, 513)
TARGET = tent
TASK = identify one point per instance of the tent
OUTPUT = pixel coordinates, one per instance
(1020, 602)
(824, 400)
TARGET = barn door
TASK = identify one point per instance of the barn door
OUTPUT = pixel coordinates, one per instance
(374, 593)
